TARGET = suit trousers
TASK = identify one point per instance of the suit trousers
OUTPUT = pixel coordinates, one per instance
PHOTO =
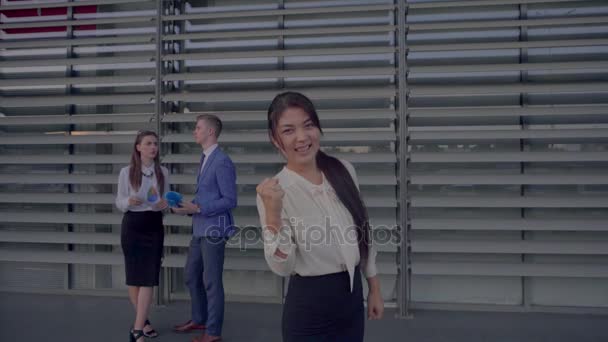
(204, 269)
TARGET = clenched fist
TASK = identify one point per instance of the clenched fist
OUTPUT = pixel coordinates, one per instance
(272, 195)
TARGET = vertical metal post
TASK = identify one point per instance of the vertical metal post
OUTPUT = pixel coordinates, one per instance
(403, 290)
(281, 85)
(69, 72)
(523, 102)
(158, 105)
(158, 101)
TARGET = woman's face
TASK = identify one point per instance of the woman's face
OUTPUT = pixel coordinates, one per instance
(297, 137)
(148, 147)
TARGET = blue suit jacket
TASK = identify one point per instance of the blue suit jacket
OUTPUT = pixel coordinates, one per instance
(216, 196)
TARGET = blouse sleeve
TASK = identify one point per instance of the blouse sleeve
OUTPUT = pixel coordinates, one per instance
(281, 241)
(370, 269)
(122, 195)
(167, 186)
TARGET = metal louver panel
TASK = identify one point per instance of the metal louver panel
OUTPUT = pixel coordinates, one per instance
(73, 101)
(508, 151)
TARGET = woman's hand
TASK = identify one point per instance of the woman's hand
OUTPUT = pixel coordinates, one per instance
(160, 205)
(272, 195)
(134, 201)
(375, 303)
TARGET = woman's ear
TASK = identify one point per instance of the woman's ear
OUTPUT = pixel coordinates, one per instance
(278, 146)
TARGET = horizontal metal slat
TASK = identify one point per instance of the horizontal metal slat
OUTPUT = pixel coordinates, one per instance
(481, 201)
(256, 158)
(516, 88)
(274, 158)
(279, 12)
(57, 198)
(60, 237)
(17, 5)
(179, 179)
(281, 53)
(262, 137)
(65, 159)
(105, 198)
(510, 270)
(559, 134)
(508, 67)
(170, 240)
(99, 258)
(506, 157)
(59, 100)
(60, 217)
(506, 45)
(100, 80)
(559, 179)
(53, 179)
(447, 112)
(279, 32)
(260, 95)
(31, 120)
(78, 22)
(256, 179)
(386, 71)
(48, 62)
(107, 219)
(67, 139)
(512, 247)
(487, 24)
(477, 3)
(343, 117)
(528, 224)
(38, 43)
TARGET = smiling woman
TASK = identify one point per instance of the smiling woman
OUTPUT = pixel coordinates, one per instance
(307, 213)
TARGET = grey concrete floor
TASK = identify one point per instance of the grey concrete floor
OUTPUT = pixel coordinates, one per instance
(34, 317)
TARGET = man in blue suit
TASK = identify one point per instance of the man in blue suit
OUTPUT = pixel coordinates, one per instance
(212, 225)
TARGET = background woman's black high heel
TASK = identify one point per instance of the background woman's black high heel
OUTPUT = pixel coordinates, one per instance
(134, 335)
(151, 333)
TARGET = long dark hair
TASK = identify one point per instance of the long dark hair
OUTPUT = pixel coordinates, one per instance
(135, 169)
(335, 172)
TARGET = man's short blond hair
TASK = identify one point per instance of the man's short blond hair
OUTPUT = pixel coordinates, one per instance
(213, 121)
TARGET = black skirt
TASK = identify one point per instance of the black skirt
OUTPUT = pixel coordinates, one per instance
(323, 309)
(142, 238)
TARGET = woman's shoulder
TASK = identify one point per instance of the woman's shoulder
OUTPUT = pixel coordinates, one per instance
(125, 169)
(164, 170)
(285, 180)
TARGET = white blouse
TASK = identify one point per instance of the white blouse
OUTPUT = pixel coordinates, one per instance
(148, 192)
(318, 234)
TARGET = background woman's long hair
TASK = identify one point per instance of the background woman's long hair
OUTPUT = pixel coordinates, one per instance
(335, 172)
(135, 172)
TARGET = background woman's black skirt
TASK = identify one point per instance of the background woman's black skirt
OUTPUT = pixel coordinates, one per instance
(142, 239)
(322, 308)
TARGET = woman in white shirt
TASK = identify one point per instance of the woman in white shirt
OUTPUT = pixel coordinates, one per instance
(316, 231)
(141, 186)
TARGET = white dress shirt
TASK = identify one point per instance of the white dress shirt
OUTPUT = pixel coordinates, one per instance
(147, 191)
(318, 234)
(207, 152)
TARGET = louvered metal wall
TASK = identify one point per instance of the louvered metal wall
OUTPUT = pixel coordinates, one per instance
(493, 112)
(508, 156)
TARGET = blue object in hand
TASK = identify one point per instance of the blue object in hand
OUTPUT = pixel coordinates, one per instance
(173, 199)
